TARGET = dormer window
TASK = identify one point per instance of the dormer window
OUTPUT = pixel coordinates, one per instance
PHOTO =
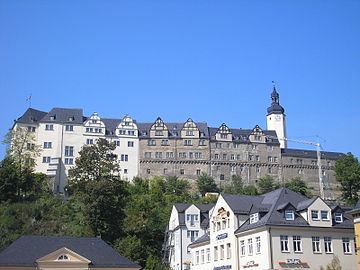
(324, 215)
(71, 119)
(254, 218)
(192, 219)
(158, 133)
(63, 257)
(257, 138)
(127, 123)
(189, 133)
(314, 214)
(94, 121)
(338, 217)
(289, 215)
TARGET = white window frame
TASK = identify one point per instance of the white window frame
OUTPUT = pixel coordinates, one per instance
(289, 215)
(338, 217)
(297, 245)
(254, 218)
(258, 244)
(284, 243)
(328, 244)
(228, 251)
(242, 248)
(324, 212)
(317, 215)
(316, 246)
(250, 247)
(346, 245)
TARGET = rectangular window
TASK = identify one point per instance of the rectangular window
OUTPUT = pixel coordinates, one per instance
(164, 142)
(328, 245)
(338, 217)
(289, 214)
(69, 161)
(147, 154)
(228, 251)
(69, 151)
(250, 247)
(125, 171)
(116, 143)
(198, 172)
(148, 171)
(258, 245)
(242, 248)
(222, 177)
(215, 253)
(182, 171)
(202, 256)
(124, 157)
(89, 141)
(217, 145)
(158, 133)
(316, 244)
(208, 255)
(284, 243)
(158, 154)
(46, 159)
(222, 251)
(49, 127)
(182, 155)
(197, 257)
(165, 171)
(238, 157)
(187, 142)
(254, 218)
(314, 214)
(69, 127)
(202, 142)
(346, 245)
(297, 243)
(216, 156)
(151, 142)
(130, 144)
(47, 145)
(31, 129)
(31, 146)
(257, 158)
(191, 155)
(324, 215)
(169, 154)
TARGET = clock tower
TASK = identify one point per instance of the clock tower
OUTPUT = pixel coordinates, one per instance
(276, 118)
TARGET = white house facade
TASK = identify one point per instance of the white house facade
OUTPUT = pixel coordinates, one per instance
(62, 133)
(277, 230)
(187, 223)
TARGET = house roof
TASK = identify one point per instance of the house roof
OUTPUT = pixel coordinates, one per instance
(275, 201)
(242, 135)
(202, 239)
(27, 249)
(64, 115)
(173, 128)
(204, 212)
(31, 116)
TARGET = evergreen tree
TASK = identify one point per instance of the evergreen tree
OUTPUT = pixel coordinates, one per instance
(266, 184)
(206, 183)
(300, 186)
(236, 186)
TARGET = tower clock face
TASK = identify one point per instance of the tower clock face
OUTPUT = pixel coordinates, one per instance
(277, 117)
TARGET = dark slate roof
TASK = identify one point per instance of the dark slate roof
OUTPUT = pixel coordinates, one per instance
(173, 128)
(241, 204)
(276, 202)
(27, 249)
(309, 153)
(202, 239)
(242, 135)
(111, 125)
(204, 212)
(63, 115)
(276, 109)
(31, 116)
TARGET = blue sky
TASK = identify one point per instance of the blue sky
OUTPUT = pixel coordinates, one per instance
(209, 60)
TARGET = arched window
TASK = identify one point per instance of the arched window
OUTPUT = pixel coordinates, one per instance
(63, 257)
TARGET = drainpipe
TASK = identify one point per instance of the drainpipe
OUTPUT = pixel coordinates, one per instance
(271, 251)
(181, 250)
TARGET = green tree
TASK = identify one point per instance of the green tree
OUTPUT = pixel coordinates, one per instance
(300, 186)
(21, 147)
(266, 184)
(95, 163)
(175, 185)
(347, 171)
(236, 187)
(95, 182)
(250, 190)
(206, 183)
(132, 248)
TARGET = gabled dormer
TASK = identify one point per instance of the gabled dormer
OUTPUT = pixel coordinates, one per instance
(63, 258)
(127, 127)
(316, 212)
(257, 135)
(192, 217)
(159, 129)
(94, 125)
(338, 215)
(223, 133)
(190, 130)
(287, 211)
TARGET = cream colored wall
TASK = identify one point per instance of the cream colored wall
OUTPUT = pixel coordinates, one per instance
(314, 260)
(319, 205)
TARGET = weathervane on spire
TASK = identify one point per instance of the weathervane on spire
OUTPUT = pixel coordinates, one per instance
(28, 99)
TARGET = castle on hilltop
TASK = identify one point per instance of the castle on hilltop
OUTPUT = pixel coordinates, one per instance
(184, 149)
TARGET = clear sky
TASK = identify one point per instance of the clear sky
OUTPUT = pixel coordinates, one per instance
(209, 60)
